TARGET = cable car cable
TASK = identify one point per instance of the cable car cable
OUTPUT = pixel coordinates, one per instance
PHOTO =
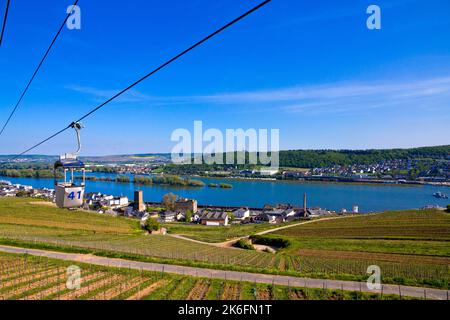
(37, 70)
(5, 18)
(147, 76)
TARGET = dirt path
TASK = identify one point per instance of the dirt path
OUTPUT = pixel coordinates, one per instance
(199, 292)
(417, 292)
(229, 243)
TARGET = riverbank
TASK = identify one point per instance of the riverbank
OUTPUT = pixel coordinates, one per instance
(256, 194)
(342, 180)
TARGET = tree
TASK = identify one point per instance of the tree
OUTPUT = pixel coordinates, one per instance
(448, 208)
(188, 216)
(152, 225)
(169, 201)
(22, 194)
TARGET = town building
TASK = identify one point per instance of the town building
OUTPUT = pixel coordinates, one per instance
(186, 205)
(215, 219)
(277, 215)
(241, 214)
(116, 203)
(268, 172)
(168, 217)
(248, 172)
(315, 213)
(139, 204)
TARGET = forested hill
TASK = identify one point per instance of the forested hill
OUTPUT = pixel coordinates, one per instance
(290, 158)
(326, 158)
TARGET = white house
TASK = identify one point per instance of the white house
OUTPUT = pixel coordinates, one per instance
(242, 213)
(215, 219)
(268, 172)
(167, 217)
(289, 212)
(119, 202)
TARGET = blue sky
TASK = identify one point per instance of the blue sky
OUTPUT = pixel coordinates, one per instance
(309, 68)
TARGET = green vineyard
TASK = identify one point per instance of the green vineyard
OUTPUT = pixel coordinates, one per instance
(315, 252)
(25, 277)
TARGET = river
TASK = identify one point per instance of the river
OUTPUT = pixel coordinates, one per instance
(254, 193)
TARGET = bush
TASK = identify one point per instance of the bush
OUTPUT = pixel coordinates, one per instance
(152, 225)
(195, 183)
(170, 180)
(22, 194)
(188, 216)
(271, 241)
(448, 208)
(244, 244)
(143, 180)
(123, 179)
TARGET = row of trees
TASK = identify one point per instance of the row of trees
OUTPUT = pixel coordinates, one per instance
(27, 173)
(171, 180)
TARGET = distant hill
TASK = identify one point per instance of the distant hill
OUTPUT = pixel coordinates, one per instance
(289, 158)
(29, 158)
(326, 158)
(131, 158)
(137, 158)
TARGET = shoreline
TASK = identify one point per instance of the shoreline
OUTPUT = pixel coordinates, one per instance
(304, 180)
(209, 197)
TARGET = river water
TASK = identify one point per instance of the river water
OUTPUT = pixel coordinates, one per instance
(253, 193)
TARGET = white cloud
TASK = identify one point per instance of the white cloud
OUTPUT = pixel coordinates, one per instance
(340, 97)
(103, 94)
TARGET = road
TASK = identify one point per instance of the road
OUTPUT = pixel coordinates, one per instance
(234, 275)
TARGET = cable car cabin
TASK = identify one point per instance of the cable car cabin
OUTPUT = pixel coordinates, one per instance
(70, 193)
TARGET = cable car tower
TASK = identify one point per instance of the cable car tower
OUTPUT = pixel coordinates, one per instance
(69, 193)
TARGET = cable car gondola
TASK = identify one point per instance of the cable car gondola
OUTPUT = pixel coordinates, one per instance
(70, 192)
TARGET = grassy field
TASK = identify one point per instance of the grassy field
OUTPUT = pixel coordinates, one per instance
(410, 238)
(25, 277)
(27, 224)
(405, 225)
(410, 234)
(19, 211)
